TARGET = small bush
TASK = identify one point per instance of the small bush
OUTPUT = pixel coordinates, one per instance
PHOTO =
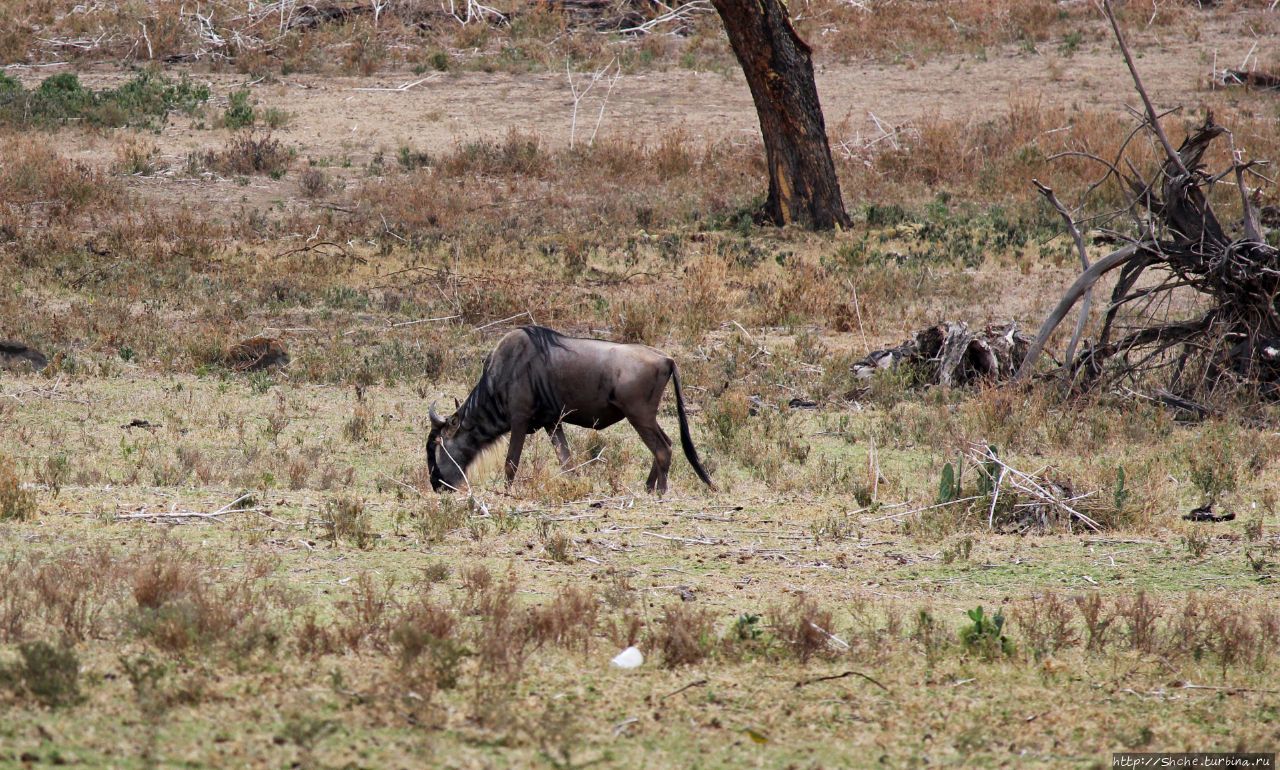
(684, 635)
(178, 607)
(357, 428)
(425, 641)
(411, 159)
(365, 614)
(559, 546)
(46, 674)
(985, 635)
(135, 156)
(500, 641)
(1140, 615)
(1046, 623)
(1214, 460)
(1097, 620)
(313, 182)
(16, 503)
(275, 118)
(517, 154)
(143, 102)
(345, 518)
(930, 635)
(569, 621)
(250, 153)
(439, 516)
(239, 112)
(73, 590)
(804, 629)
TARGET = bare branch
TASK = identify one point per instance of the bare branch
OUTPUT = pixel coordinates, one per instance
(1152, 117)
(1084, 264)
(1082, 285)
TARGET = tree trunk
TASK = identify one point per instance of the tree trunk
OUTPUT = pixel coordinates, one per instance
(779, 67)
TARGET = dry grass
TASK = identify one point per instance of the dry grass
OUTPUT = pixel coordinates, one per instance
(453, 651)
(445, 657)
(606, 234)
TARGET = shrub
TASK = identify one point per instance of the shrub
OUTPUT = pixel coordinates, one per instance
(249, 153)
(684, 635)
(568, 621)
(178, 607)
(424, 638)
(143, 102)
(345, 518)
(239, 112)
(313, 182)
(985, 635)
(804, 629)
(16, 503)
(47, 674)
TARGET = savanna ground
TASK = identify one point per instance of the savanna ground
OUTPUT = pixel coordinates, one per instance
(340, 614)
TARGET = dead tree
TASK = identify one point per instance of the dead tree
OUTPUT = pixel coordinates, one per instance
(1195, 310)
(778, 65)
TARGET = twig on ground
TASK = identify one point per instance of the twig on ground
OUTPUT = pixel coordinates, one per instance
(210, 516)
(846, 674)
(402, 87)
(689, 686)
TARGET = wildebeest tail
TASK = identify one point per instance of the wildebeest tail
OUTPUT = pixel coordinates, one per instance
(686, 440)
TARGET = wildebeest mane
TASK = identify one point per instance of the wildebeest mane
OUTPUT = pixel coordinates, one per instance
(487, 401)
(543, 339)
(548, 407)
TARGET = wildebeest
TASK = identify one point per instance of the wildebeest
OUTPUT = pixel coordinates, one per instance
(538, 379)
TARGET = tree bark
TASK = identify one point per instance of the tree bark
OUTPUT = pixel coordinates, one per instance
(803, 188)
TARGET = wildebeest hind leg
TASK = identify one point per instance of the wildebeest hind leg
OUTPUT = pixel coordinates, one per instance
(654, 438)
(561, 443)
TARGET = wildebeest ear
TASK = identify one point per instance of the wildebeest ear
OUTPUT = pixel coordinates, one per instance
(456, 405)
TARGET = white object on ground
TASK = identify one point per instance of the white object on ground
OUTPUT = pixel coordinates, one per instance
(629, 658)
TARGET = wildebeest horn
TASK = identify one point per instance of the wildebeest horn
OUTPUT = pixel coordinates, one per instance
(436, 420)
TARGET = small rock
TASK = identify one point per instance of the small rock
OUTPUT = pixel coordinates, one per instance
(16, 356)
(256, 354)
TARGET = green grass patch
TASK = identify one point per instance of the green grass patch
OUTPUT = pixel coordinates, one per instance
(143, 102)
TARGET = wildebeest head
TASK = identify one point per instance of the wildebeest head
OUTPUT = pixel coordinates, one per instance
(443, 462)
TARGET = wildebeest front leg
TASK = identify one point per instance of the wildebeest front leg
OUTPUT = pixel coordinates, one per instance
(653, 437)
(561, 444)
(513, 450)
